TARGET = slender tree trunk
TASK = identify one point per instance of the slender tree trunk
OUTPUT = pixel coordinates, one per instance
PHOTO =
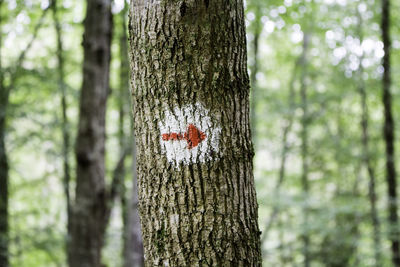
(388, 132)
(3, 161)
(90, 209)
(304, 144)
(4, 167)
(123, 96)
(190, 91)
(285, 150)
(133, 245)
(64, 122)
(3, 174)
(133, 249)
(281, 237)
(366, 158)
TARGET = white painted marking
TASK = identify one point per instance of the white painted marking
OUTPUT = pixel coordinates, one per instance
(176, 140)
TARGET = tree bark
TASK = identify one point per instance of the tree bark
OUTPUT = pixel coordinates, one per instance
(90, 208)
(366, 157)
(197, 200)
(388, 132)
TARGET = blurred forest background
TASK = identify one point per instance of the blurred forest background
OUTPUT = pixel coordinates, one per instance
(318, 81)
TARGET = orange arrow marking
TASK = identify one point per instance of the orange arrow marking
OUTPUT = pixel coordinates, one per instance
(193, 136)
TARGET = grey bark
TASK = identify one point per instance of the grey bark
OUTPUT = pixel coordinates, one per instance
(198, 214)
(89, 211)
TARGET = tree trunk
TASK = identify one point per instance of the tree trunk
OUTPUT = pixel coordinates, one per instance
(5, 91)
(63, 102)
(304, 145)
(388, 132)
(284, 152)
(366, 157)
(90, 208)
(195, 175)
(4, 94)
(3, 177)
(133, 247)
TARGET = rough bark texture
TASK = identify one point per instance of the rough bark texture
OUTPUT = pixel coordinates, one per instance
(90, 208)
(205, 213)
(388, 133)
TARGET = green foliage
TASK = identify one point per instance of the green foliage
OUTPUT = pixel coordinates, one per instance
(340, 225)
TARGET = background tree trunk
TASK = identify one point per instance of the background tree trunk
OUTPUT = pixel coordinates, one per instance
(366, 157)
(132, 240)
(3, 176)
(4, 93)
(284, 152)
(64, 120)
(133, 245)
(304, 145)
(388, 132)
(203, 211)
(90, 208)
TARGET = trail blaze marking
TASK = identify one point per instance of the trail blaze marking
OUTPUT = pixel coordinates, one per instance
(189, 135)
(193, 136)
